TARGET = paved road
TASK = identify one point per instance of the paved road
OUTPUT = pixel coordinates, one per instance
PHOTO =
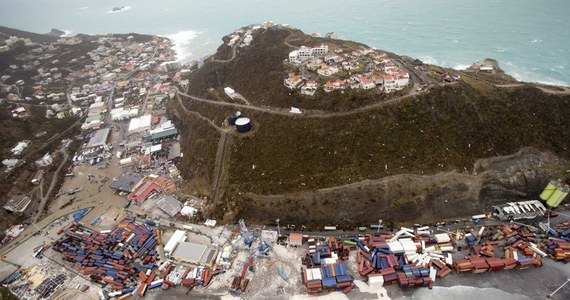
(234, 52)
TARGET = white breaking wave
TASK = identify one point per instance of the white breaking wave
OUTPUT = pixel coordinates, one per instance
(83, 8)
(182, 40)
(536, 41)
(120, 11)
(521, 74)
(68, 33)
(461, 67)
(428, 59)
(501, 50)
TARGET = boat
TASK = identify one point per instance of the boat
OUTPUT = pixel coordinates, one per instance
(117, 9)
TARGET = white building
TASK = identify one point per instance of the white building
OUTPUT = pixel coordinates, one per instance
(402, 79)
(293, 81)
(367, 83)
(45, 161)
(309, 88)
(140, 124)
(20, 147)
(177, 237)
(168, 66)
(327, 70)
(305, 53)
(389, 83)
(230, 92)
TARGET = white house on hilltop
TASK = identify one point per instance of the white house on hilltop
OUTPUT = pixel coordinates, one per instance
(305, 53)
(309, 88)
(293, 81)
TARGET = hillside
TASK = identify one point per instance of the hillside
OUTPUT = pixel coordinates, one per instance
(403, 160)
(34, 37)
(262, 62)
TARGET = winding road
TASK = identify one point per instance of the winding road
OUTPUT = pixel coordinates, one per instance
(55, 177)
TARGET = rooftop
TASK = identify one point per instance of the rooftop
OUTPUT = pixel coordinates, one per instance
(194, 253)
(99, 138)
(169, 205)
(125, 182)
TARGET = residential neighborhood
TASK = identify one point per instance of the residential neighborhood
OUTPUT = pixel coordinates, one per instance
(363, 68)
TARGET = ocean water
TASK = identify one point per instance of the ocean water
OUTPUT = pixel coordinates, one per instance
(529, 38)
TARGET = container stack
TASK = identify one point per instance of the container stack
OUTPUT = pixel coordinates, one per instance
(388, 259)
(558, 249)
(324, 268)
(125, 259)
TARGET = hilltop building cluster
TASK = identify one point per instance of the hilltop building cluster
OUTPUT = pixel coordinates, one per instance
(362, 68)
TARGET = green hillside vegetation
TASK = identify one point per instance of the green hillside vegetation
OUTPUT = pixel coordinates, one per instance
(447, 129)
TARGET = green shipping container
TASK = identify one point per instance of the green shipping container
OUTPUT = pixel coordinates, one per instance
(349, 243)
(548, 191)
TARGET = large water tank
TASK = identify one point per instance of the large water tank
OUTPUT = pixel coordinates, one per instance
(548, 191)
(232, 120)
(243, 125)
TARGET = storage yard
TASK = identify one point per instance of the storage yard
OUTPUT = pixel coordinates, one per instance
(237, 260)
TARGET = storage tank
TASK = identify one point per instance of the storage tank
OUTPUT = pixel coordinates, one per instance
(232, 119)
(243, 125)
(557, 197)
(548, 191)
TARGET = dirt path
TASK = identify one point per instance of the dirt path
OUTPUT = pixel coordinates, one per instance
(55, 177)
(307, 114)
(286, 41)
(565, 90)
(218, 128)
(220, 167)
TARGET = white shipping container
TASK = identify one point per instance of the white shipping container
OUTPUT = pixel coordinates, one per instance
(442, 238)
(377, 280)
(449, 260)
(309, 274)
(317, 274)
(481, 231)
(432, 273)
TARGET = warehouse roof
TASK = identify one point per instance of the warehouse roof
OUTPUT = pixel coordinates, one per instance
(169, 205)
(99, 138)
(163, 133)
(126, 183)
(142, 122)
(194, 253)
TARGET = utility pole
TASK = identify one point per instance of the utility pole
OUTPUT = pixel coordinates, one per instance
(379, 224)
